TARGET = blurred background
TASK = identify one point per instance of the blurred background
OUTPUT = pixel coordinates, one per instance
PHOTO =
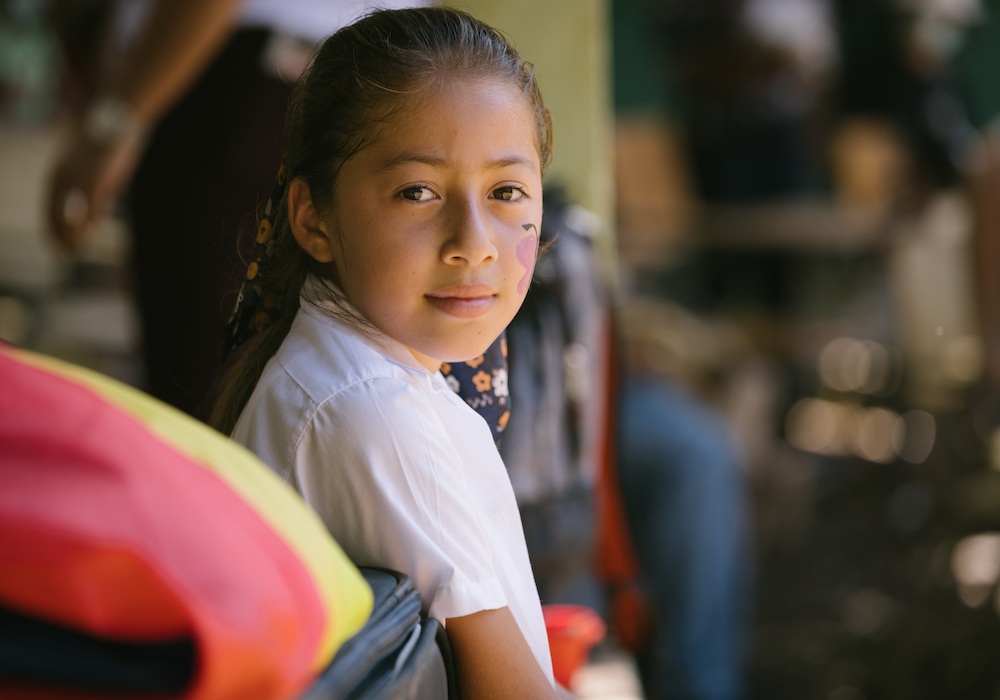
(795, 207)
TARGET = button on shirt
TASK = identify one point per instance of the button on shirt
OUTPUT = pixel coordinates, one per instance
(402, 471)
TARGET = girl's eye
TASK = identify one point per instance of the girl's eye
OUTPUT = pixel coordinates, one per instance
(508, 193)
(417, 194)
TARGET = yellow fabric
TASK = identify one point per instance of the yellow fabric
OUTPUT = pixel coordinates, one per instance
(345, 594)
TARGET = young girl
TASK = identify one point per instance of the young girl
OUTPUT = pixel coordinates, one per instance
(401, 235)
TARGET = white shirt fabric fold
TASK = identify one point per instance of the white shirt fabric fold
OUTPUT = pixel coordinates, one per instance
(402, 471)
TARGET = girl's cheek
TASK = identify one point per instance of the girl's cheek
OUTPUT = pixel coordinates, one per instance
(526, 249)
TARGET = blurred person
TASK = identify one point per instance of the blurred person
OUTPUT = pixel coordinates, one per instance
(187, 112)
(930, 73)
(984, 185)
(685, 501)
(974, 66)
(745, 102)
(682, 482)
(680, 473)
(898, 119)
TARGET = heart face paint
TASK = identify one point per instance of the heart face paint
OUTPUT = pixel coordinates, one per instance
(526, 256)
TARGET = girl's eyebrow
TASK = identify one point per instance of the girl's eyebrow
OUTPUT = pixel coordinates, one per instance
(408, 158)
(509, 161)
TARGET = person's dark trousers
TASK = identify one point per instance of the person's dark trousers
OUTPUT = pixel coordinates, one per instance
(208, 168)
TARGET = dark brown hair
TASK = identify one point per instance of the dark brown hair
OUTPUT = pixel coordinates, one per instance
(358, 80)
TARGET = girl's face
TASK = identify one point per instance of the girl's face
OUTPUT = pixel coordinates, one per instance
(435, 225)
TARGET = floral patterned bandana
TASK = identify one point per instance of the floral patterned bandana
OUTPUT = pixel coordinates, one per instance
(252, 313)
(482, 383)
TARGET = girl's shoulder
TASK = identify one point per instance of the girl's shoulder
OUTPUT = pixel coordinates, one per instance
(327, 379)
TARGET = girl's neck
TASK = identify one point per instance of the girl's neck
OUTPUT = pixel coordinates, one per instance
(429, 362)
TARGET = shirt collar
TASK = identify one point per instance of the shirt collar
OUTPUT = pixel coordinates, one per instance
(327, 298)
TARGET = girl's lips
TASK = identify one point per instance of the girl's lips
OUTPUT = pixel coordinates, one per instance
(463, 301)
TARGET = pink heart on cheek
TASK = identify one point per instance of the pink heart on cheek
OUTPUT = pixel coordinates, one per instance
(526, 256)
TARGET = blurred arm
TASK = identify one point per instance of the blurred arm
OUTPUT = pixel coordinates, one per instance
(178, 41)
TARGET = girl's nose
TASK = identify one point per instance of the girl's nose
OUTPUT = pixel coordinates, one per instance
(470, 240)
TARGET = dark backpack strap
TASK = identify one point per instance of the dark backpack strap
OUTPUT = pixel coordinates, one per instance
(448, 655)
(397, 655)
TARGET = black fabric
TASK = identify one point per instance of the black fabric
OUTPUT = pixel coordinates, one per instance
(393, 657)
(36, 651)
(208, 167)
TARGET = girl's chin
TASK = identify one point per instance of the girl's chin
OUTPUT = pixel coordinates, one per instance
(465, 352)
(459, 342)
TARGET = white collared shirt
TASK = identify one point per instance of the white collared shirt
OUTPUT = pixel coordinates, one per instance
(402, 471)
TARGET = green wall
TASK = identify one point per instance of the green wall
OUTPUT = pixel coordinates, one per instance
(569, 43)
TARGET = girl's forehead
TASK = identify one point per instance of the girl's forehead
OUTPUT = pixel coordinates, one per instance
(457, 113)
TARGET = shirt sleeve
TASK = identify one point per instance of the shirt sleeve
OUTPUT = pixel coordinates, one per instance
(377, 465)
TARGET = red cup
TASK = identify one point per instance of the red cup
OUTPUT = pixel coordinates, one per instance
(572, 630)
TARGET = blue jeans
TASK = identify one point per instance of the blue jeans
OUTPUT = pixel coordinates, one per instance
(686, 506)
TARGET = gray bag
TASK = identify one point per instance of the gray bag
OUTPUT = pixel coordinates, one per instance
(395, 656)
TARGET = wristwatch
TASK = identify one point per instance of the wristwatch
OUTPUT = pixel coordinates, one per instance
(111, 120)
